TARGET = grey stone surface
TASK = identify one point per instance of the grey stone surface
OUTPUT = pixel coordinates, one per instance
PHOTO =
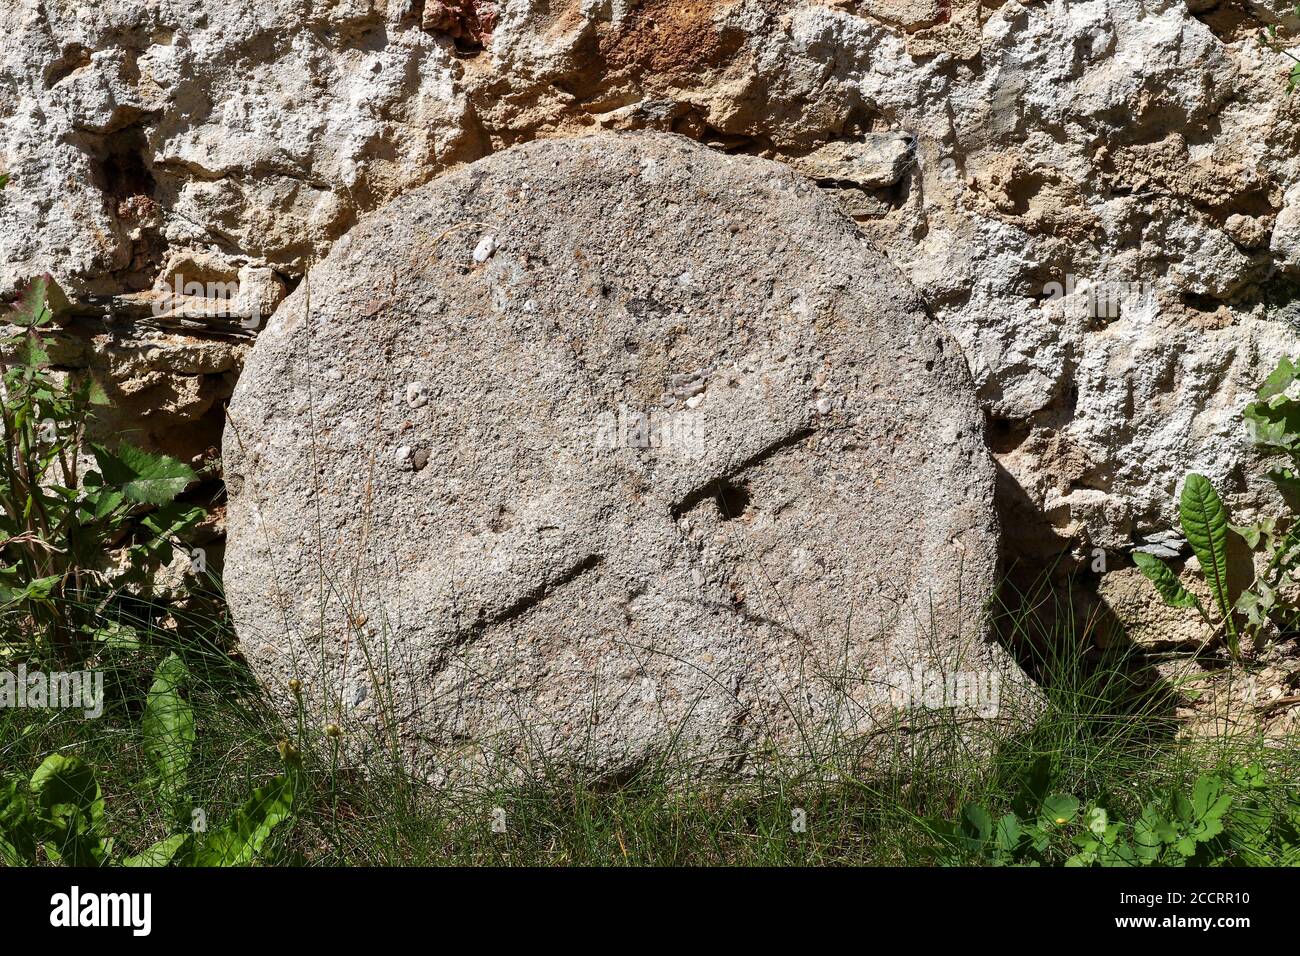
(438, 472)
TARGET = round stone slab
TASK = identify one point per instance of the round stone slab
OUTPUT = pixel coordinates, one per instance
(609, 451)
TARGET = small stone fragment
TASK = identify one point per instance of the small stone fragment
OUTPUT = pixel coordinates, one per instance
(485, 248)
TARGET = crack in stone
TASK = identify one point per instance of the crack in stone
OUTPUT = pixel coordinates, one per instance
(715, 485)
(518, 608)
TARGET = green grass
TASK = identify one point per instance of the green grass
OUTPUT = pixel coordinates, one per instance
(1106, 732)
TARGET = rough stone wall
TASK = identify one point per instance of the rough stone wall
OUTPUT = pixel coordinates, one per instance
(1001, 153)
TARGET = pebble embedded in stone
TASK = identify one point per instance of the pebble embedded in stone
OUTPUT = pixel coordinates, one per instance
(417, 396)
(485, 248)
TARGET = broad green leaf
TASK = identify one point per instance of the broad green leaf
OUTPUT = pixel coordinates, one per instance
(1007, 835)
(1097, 821)
(1256, 606)
(1039, 837)
(1208, 799)
(38, 590)
(142, 476)
(1060, 809)
(1209, 830)
(977, 825)
(64, 780)
(18, 826)
(239, 842)
(1205, 525)
(1151, 832)
(1250, 533)
(117, 636)
(1085, 857)
(1033, 787)
(1287, 481)
(102, 502)
(1275, 423)
(31, 353)
(39, 302)
(1279, 380)
(94, 392)
(30, 310)
(168, 725)
(1251, 777)
(160, 854)
(1249, 826)
(1162, 576)
(73, 809)
(171, 522)
(1119, 853)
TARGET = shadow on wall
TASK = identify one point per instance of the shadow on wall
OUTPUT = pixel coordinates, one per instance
(1061, 631)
